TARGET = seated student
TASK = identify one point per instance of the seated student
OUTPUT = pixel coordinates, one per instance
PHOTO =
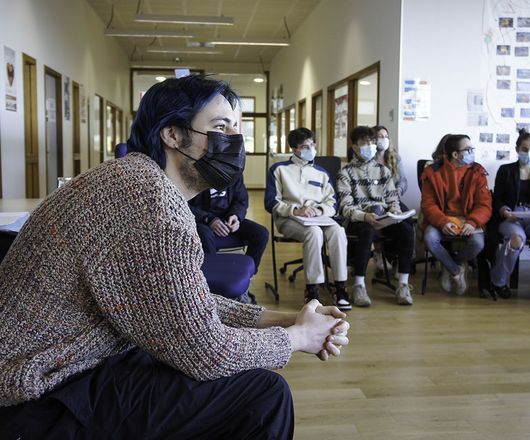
(388, 156)
(222, 213)
(455, 201)
(511, 194)
(301, 188)
(107, 326)
(366, 190)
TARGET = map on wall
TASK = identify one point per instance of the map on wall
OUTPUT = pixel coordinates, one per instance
(506, 78)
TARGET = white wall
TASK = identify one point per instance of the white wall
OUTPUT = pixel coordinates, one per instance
(440, 42)
(67, 36)
(339, 38)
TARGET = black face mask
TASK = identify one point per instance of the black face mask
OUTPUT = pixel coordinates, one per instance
(224, 161)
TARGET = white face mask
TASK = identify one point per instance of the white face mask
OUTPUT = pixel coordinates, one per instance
(367, 152)
(383, 144)
(308, 154)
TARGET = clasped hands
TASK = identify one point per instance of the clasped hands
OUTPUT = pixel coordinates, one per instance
(452, 229)
(222, 229)
(320, 330)
(308, 211)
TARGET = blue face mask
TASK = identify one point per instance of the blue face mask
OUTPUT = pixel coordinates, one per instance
(367, 152)
(524, 158)
(468, 158)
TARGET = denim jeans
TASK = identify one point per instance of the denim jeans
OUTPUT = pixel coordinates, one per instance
(473, 244)
(507, 256)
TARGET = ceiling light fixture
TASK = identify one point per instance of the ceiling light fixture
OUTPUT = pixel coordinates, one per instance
(160, 78)
(363, 82)
(259, 79)
(151, 34)
(230, 42)
(200, 51)
(184, 19)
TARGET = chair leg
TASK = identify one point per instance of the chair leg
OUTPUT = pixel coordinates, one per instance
(514, 277)
(425, 269)
(274, 289)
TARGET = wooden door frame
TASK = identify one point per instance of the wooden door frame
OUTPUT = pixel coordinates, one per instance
(59, 120)
(76, 128)
(352, 84)
(301, 103)
(31, 129)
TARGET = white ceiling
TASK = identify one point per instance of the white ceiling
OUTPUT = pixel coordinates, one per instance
(253, 19)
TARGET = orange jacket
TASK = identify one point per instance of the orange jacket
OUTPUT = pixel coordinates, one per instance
(476, 196)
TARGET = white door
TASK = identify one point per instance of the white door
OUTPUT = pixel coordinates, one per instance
(51, 132)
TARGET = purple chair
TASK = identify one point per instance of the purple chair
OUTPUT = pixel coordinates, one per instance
(228, 275)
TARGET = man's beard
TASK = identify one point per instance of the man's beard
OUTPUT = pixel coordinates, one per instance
(191, 177)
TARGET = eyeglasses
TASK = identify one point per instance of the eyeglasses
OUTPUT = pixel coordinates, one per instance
(468, 150)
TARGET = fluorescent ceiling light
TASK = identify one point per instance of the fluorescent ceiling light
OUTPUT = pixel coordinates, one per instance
(250, 42)
(160, 78)
(184, 19)
(160, 34)
(258, 79)
(363, 82)
(203, 51)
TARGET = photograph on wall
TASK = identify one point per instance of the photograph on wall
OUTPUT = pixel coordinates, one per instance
(523, 22)
(82, 103)
(341, 117)
(522, 125)
(502, 138)
(504, 70)
(521, 51)
(475, 100)
(523, 97)
(523, 86)
(523, 73)
(503, 49)
(503, 154)
(505, 22)
(485, 137)
(525, 113)
(477, 119)
(507, 112)
(504, 84)
(10, 83)
(523, 37)
(67, 98)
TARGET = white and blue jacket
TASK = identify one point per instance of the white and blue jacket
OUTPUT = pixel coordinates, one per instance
(296, 183)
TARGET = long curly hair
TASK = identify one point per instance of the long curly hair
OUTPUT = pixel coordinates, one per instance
(391, 155)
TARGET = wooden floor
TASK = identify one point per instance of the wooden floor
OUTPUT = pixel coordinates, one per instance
(446, 368)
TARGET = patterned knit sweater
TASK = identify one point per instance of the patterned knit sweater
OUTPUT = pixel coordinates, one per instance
(110, 261)
(363, 186)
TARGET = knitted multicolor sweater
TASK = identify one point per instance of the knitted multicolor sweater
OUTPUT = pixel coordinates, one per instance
(110, 261)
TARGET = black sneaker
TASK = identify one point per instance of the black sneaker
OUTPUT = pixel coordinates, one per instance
(342, 301)
(504, 291)
(311, 292)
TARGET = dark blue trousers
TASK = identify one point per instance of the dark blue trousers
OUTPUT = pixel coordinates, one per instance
(133, 396)
(255, 235)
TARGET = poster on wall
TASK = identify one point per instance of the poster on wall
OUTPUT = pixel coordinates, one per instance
(82, 103)
(10, 83)
(341, 117)
(67, 98)
(506, 73)
(416, 100)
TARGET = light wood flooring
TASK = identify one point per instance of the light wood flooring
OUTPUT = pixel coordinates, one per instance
(446, 368)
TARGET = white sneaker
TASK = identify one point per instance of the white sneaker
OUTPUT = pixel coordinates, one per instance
(360, 297)
(378, 257)
(403, 295)
(446, 280)
(460, 280)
